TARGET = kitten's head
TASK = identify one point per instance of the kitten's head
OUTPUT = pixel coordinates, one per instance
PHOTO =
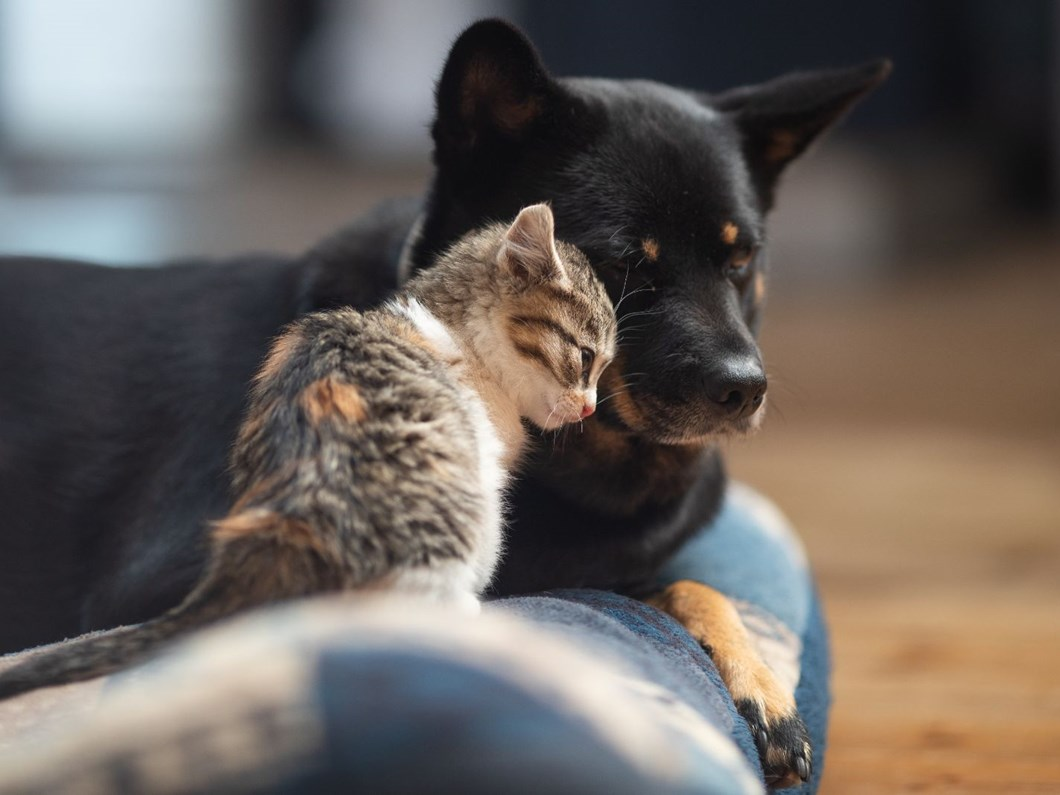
(555, 320)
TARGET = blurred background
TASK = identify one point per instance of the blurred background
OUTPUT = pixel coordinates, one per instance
(913, 338)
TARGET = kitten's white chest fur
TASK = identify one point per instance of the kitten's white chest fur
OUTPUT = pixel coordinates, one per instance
(499, 436)
(509, 319)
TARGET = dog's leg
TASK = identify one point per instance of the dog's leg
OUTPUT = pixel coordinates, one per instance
(767, 706)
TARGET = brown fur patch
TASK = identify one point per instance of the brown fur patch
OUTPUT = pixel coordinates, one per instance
(626, 407)
(278, 356)
(759, 288)
(403, 328)
(783, 145)
(605, 443)
(650, 247)
(613, 388)
(710, 618)
(411, 334)
(254, 424)
(331, 398)
(729, 233)
(261, 521)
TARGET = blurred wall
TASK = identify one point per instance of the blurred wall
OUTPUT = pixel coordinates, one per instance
(119, 79)
(120, 118)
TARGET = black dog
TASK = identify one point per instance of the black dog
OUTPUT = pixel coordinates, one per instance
(122, 389)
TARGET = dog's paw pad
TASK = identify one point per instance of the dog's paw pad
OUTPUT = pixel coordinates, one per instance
(783, 745)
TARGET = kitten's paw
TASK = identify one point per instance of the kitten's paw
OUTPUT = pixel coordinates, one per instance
(446, 584)
(767, 706)
(467, 603)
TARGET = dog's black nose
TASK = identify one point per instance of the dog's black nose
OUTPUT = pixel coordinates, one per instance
(739, 386)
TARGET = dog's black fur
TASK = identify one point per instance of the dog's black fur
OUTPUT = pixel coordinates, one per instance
(121, 389)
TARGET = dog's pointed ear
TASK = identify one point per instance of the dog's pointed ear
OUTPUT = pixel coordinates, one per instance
(493, 88)
(780, 118)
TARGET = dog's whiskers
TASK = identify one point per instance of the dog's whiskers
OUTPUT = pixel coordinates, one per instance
(622, 298)
(640, 313)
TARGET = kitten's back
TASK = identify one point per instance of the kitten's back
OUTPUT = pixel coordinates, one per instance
(358, 428)
(357, 467)
(370, 456)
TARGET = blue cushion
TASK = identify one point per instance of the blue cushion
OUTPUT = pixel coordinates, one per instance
(573, 691)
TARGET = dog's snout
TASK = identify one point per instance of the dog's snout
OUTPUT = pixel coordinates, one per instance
(739, 387)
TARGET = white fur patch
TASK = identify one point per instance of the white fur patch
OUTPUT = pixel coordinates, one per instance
(454, 583)
(493, 477)
(429, 326)
(493, 474)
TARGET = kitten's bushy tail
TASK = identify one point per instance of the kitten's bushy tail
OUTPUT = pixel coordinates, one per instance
(257, 560)
(102, 653)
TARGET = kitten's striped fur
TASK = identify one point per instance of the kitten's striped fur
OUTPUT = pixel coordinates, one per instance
(377, 445)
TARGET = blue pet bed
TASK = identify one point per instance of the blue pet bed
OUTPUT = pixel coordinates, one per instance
(571, 691)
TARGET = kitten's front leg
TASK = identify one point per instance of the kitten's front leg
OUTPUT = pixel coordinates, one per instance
(760, 698)
(450, 583)
(467, 602)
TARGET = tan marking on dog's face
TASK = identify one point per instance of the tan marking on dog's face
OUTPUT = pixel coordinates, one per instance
(626, 408)
(759, 288)
(650, 247)
(729, 233)
(605, 442)
(330, 398)
(783, 145)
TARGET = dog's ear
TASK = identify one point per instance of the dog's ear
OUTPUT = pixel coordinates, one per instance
(493, 89)
(780, 118)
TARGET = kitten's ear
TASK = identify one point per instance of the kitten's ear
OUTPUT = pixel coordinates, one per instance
(528, 252)
(780, 118)
(493, 89)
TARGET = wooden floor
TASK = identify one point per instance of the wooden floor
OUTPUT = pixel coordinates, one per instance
(915, 442)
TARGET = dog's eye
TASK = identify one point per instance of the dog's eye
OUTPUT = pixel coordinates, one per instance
(740, 260)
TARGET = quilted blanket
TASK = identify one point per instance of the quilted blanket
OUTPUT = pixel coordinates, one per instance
(572, 691)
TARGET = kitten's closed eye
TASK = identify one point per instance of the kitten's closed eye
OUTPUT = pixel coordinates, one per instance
(588, 357)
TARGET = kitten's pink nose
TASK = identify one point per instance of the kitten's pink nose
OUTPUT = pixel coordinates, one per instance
(588, 409)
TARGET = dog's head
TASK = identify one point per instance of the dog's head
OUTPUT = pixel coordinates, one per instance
(665, 190)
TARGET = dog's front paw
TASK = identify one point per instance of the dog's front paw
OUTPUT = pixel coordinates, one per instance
(782, 741)
(766, 705)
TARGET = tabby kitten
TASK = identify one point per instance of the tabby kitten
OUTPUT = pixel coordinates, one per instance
(376, 445)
